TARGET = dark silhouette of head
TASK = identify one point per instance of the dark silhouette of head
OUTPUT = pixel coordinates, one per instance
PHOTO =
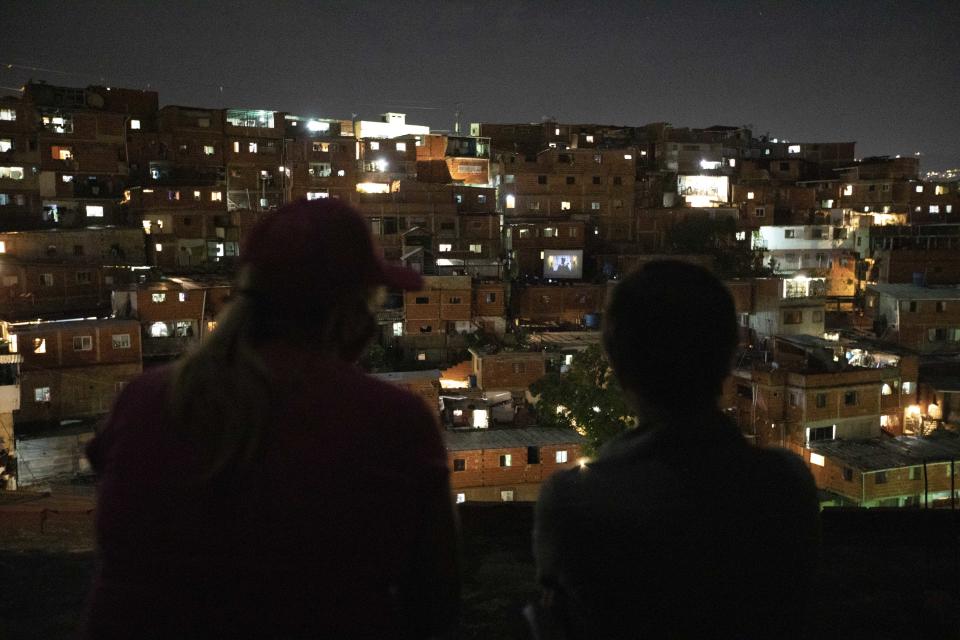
(670, 333)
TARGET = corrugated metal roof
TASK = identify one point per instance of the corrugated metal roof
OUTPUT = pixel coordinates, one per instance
(913, 292)
(878, 454)
(403, 376)
(475, 439)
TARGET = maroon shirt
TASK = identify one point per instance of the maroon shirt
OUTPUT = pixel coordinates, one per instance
(343, 527)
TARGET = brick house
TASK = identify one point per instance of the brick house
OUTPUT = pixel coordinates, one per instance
(889, 472)
(494, 465)
(74, 369)
(926, 319)
(510, 370)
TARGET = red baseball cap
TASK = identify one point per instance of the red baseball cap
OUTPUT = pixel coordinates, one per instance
(318, 248)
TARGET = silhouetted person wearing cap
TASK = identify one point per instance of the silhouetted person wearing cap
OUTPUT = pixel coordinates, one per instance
(264, 486)
(679, 528)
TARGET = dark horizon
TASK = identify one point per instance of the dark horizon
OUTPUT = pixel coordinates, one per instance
(884, 75)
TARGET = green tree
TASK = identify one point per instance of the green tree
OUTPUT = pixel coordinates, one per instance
(587, 398)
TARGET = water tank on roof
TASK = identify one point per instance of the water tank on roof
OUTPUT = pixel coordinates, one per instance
(919, 279)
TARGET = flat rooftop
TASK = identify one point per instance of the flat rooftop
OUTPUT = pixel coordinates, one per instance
(879, 454)
(476, 439)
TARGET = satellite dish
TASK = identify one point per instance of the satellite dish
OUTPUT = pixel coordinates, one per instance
(94, 100)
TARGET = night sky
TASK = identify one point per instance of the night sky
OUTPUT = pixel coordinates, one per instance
(885, 74)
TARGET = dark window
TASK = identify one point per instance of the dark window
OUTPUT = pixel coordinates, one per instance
(793, 317)
(821, 433)
(850, 398)
(784, 166)
(491, 297)
(880, 477)
(571, 180)
(505, 460)
(848, 474)
(78, 249)
(423, 300)
(541, 179)
(533, 455)
(455, 300)
(745, 391)
(941, 306)
(596, 179)
(821, 400)
(459, 464)
(617, 180)
(519, 367)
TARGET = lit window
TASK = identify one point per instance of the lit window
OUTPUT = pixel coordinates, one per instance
(208, 150)
(506, 496)
(216, 196)
(159, 330)
(82, 343)
(589, 138)
(182, 297)
(886, 390)
(196, 195)
(374, 145)
(461, 498)
(317, 195)
(948, 208)
(476, 248)
(401, 146)
(134, 124)
(46, 279)
(919, 188)
(341, 172)
(934, 208)
(39, 345)
(3, 246)
(8, 114)
(848, 189)
(11, 173)
(561, 456)
(817, 459)
(398, 329)
(158, 247)
(750, 195)
(511, 201)
(121, 340)
(422, 356)
(595, 206)
(565, 205)
(445, 248)
(794, 148)
(252, 147)
(41, 394)
(506, 460)
(628, 156)
(94, 211)
(158, 297)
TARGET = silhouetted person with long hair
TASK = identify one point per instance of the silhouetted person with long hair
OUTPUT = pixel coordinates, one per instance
(679, 528)
(264, 486)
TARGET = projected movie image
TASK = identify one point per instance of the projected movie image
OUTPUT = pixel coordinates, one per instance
(563, 264)
(704, 191)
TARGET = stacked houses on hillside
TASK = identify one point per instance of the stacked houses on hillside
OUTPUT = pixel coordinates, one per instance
(121, 217)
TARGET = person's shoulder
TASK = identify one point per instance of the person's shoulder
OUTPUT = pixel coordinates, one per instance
(784, 476)
(388, 397)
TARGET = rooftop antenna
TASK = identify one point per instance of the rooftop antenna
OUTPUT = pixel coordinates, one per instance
(457, 114)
